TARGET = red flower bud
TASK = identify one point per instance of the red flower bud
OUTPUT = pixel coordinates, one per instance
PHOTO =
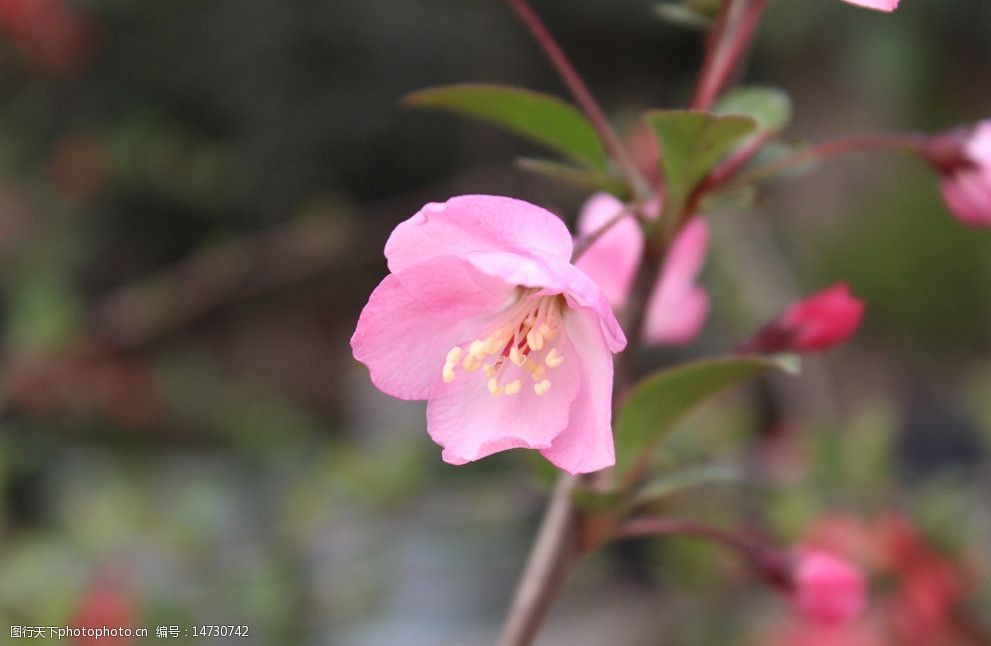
(818, 322)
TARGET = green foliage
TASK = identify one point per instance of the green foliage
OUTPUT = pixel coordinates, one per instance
(684, 15)
(686, 478)
(770, 107)
(539, 117)
(592, 180)
(692, 143)
(661, 401)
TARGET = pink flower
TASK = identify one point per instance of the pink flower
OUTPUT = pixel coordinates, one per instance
(966, 186)
(826, 589)
(880, 5)
(677, 307)
(818, 322)
(484, 316)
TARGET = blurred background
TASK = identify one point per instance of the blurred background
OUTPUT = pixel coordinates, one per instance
(194, 196)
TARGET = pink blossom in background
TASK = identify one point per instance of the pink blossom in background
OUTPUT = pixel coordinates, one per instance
(818, 322)
(966, 188)
(827, 590)
(484, 316)
(678, 306)
(880, 5)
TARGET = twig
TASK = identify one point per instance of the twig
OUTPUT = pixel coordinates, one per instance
(555, 551)
(910, 143)
(735, 25)
(559, 60)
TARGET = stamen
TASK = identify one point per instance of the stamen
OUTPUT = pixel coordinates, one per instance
(454, 354)
(518, 340)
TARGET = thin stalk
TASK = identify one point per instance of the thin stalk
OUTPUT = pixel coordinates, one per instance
(554, 553)
(579, 90)
(910, 143)
(727, 43)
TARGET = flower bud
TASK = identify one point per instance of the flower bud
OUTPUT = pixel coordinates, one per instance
(963, 159)
(826, 589)
(818, 322)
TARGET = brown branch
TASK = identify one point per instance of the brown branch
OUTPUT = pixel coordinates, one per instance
(554, 553)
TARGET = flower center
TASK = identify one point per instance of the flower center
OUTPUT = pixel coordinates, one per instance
(516, 348)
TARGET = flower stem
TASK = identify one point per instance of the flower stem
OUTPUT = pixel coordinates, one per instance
(555, 551)
(559, 60)
(582, 244)
(735, 25)
(909, 143)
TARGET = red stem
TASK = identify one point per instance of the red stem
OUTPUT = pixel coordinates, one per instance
(728, 41)
(559, 60)
(911, 143)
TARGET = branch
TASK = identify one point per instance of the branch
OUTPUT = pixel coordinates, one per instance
(555, 551)
(559, 60)
(729, 39)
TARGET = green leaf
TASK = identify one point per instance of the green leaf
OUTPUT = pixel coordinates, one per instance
(593, 180)
(770, 107)
(692, 143)
(683, 16)
(660, 402)
(683, 479)
(540, 117)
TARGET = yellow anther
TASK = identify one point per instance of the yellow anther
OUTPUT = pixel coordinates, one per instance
(538, 373)
(448, 373)
(514, 387)
(494, 386)
(553, 359)
(534, 340)
(516, 356)
(477, 349)
(488, 369)
(547, 331)
(453, 355)
(541, 387)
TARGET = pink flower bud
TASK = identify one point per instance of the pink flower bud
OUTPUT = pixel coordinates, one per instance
(826, 589)
(966, 182)
(818, 322)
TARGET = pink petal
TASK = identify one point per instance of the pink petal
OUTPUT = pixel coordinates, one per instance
(611, 261)
(586, 445)
(477, 223)
(555, 277)
(413, 318)
(967, 194)
(979, 144)
(470, 423)
(880, 5)
(672, 321)
(827, 590)
(678, 308)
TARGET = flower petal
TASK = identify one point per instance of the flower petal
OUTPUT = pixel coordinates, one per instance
(555, 276)
(967, 194)
(471, 423)
(879, 5)
(612, 259)
(413, 318)
(477, 223)
(677, 308)
(676, 319)
(586, 444)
